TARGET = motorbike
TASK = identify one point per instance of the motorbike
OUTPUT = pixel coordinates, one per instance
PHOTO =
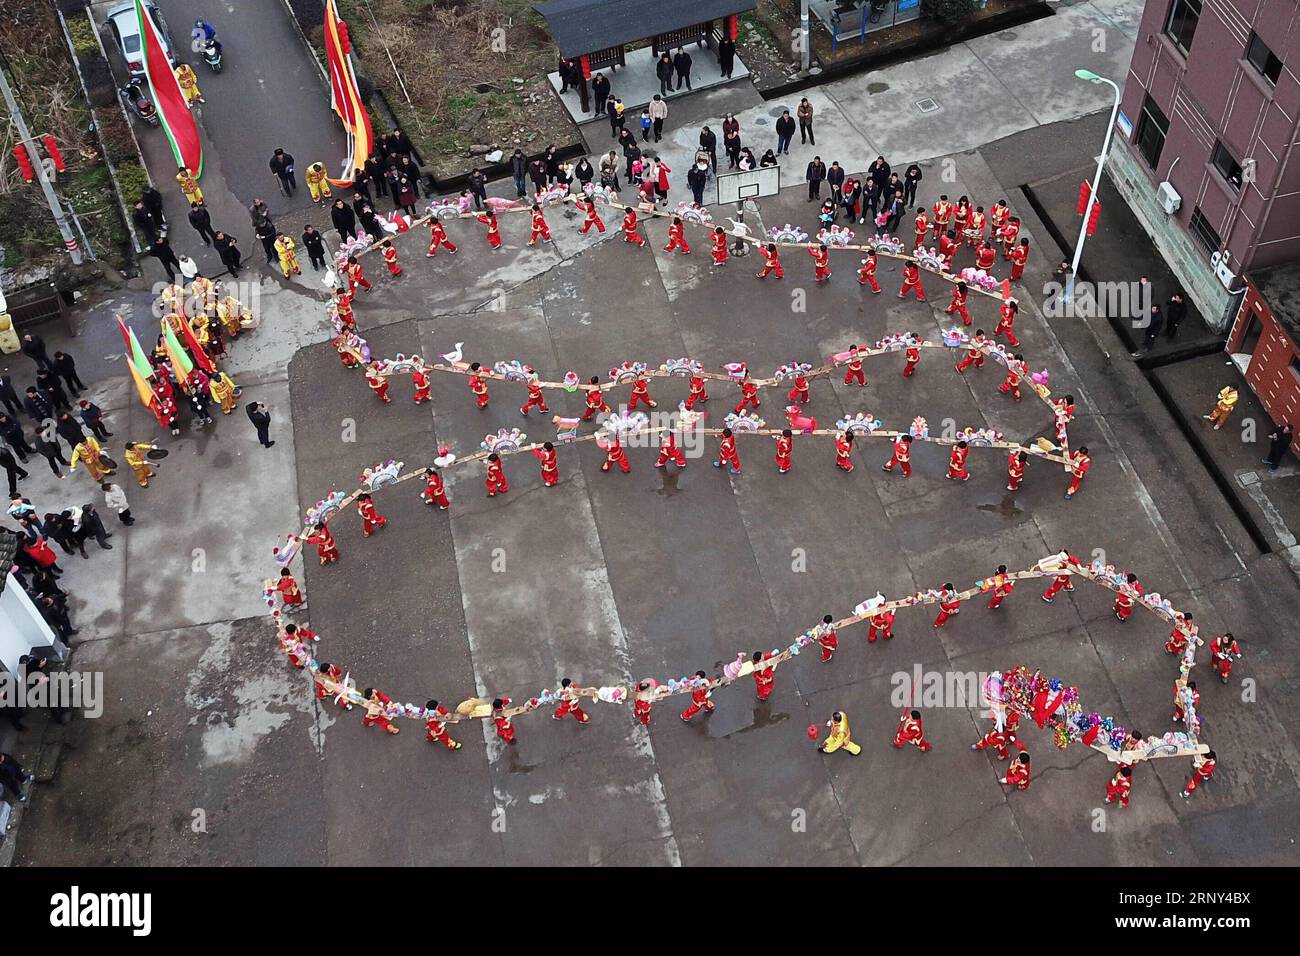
(134, 99)
(212, 54)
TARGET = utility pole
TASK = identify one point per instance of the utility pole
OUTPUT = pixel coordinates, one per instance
(1092, 77)
(25, 137)
(805, 41)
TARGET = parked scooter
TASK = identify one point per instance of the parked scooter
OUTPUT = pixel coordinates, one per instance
(134, 99)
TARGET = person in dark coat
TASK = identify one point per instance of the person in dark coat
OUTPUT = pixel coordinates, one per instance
(477, 184)
(52, 453)
(11, 430)
(697, 178)
(816, 175)
(344, 220)
(1278, 442)
(664, 70)
(314, 243)
(13, 471)
(709, 143)
(519, 172)
(784, 132)
(59, 528)
(584, 172)
(92, 526)
(39, 405)
(93, 417)
(49, 385)
(259, 212)
(406, 195)
(228, 249)
(66, 368)
(726, 56)
(1155, 325)
(731, 146)
(34, 348)
(55, 613)
(552, 160)
(682, 67)
(835, 179)
(162, 251)
(600, 93)
(401, 144)
(145, 222)
(261, 419)
(360, 185)
(409, 168)
(69, 429)
(870, 200)
(879, 173)
(375, 174)
(911, 180)
(153, 201)
(201, 220)
(8, 396)
(370, 222)
(282, 166)
(266, 232)
(537, 173)
(1175, 312)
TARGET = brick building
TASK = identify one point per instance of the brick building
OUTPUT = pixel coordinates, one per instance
(1209, 119)
(1265, 340)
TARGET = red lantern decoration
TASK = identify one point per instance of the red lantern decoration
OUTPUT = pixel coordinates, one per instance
(24, 163)
(1082, 204)
(814, 731)
(345, 42)
(1093, 217)
(52, 148)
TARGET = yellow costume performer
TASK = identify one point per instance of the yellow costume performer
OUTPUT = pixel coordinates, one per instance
(88, 453)
(135, 458)
(172, 298)
(231, 312)
(284, 246)
(189, 84)
(189, 185)
(223, 391)
(1227, 401)
(839, 737)
(318, 182)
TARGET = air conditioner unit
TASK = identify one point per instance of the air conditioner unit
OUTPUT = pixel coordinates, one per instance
(1222, 269)
(1169, 198)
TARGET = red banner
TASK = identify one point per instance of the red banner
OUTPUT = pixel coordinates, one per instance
(345, 98)
(177, 120)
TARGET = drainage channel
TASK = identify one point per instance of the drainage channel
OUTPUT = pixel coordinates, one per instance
(1223, 481)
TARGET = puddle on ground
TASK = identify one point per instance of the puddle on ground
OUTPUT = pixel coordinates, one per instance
(669, 486)
(874, 88)
(1007, 508)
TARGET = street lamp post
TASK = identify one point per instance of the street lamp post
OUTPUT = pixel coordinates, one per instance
(1092, 77)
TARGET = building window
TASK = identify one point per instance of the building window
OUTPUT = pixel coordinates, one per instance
(1153, 127)
(1181, 25)
(1204, 232)
(1227, 166)
(1261, 58)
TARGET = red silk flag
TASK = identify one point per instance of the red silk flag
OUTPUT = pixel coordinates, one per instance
(345, 97)
(177, 120)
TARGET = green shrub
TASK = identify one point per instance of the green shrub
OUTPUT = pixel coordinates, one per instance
(133, 181)
(83, 37)
(950, 11)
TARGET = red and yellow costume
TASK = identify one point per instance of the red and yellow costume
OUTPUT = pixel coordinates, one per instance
(478, 385)
(719, 249)
(1007, 318)
(867, 274)
(326, 548)
(390, 259)
(1079, 465)
(435, 492)
(377, 712)
(912, 282)
(505, 729)
(957, 464)
(290, 593)
(630, 233)
(378, 384)
(640, 394)
(420, 379)
(496, 479)
(1002, 586)
(371, 519)
(942, 216)
(698, 392)
(748, 397)
(669, 450)
(438, 237)
(784, 456)
(974, 355)
(799, 393)
(949, 606)
(550, 466)
(829, 641)
(357, 277)
(821, 263)
(1125, 600)
(913, 356)
(921, 225)
(853, 374)
(880, 625)
(911, 732)
(1119, 787)
(843, 453)
(1202, 769)
(540, 229)
(700, 701)
(958, 304)
(595, 403)
(1018, 256)
(591, 218)
(998, 739)
(1015, 471)
(727, 454)
(677, 239)
(764, 678)
(771, 263)
(436, 730)
(493, 230)
(569, 704)
(535, 398)
(902, 457)
(1223, 650)
(615, 455)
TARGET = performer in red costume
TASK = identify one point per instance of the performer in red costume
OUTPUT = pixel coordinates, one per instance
(1001, 586)
(974, 355)
(1008, 234)
(1011, 384)
(677, 237)
(641, 394)
(698, 392)
(719, 249)
(378, 384)
(630, 231)
(1019, 256)
(438, 237)
(920, 225)
(912, 281)
(535, 398)
(356, 276)
(771, 262)
(1127, 597)
(1179, 715)
(615, 455)
(331, 672)
(643, 703)
(821, 262)
(958, 304)
(377, 710)
(1120, 785)
(880, 625)
(496, 476)
(592, 218)
(569, 703)
(326, 548)
(1224, 649)
(828, 640)
(669, 450)
(1016, 469)
(949, 605)
(1006, 320)
(853, 374)
(505, 729)
(844, 451)
(764, 677)
(540, 229)
(902, 456)
(942, 215)
(748, 395)
(489, 219)
(290, 593)
(957, 462)
(998, 739)
(420, 379)
(1202, 769)
(911, 732)
(434, 492)
(435, 729)
(799, 393)
(595, 399)
(1018, 772)
(478, 385)
(1061, 581)
(700, 699)
(727, 453)
(371, 519)
(913, 357)
(867, 274)
(389, 252)
(550, 466)
(784, 450)
(1079, 465)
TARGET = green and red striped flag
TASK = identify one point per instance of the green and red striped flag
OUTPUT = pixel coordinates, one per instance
(177, 120)
(137, 361)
